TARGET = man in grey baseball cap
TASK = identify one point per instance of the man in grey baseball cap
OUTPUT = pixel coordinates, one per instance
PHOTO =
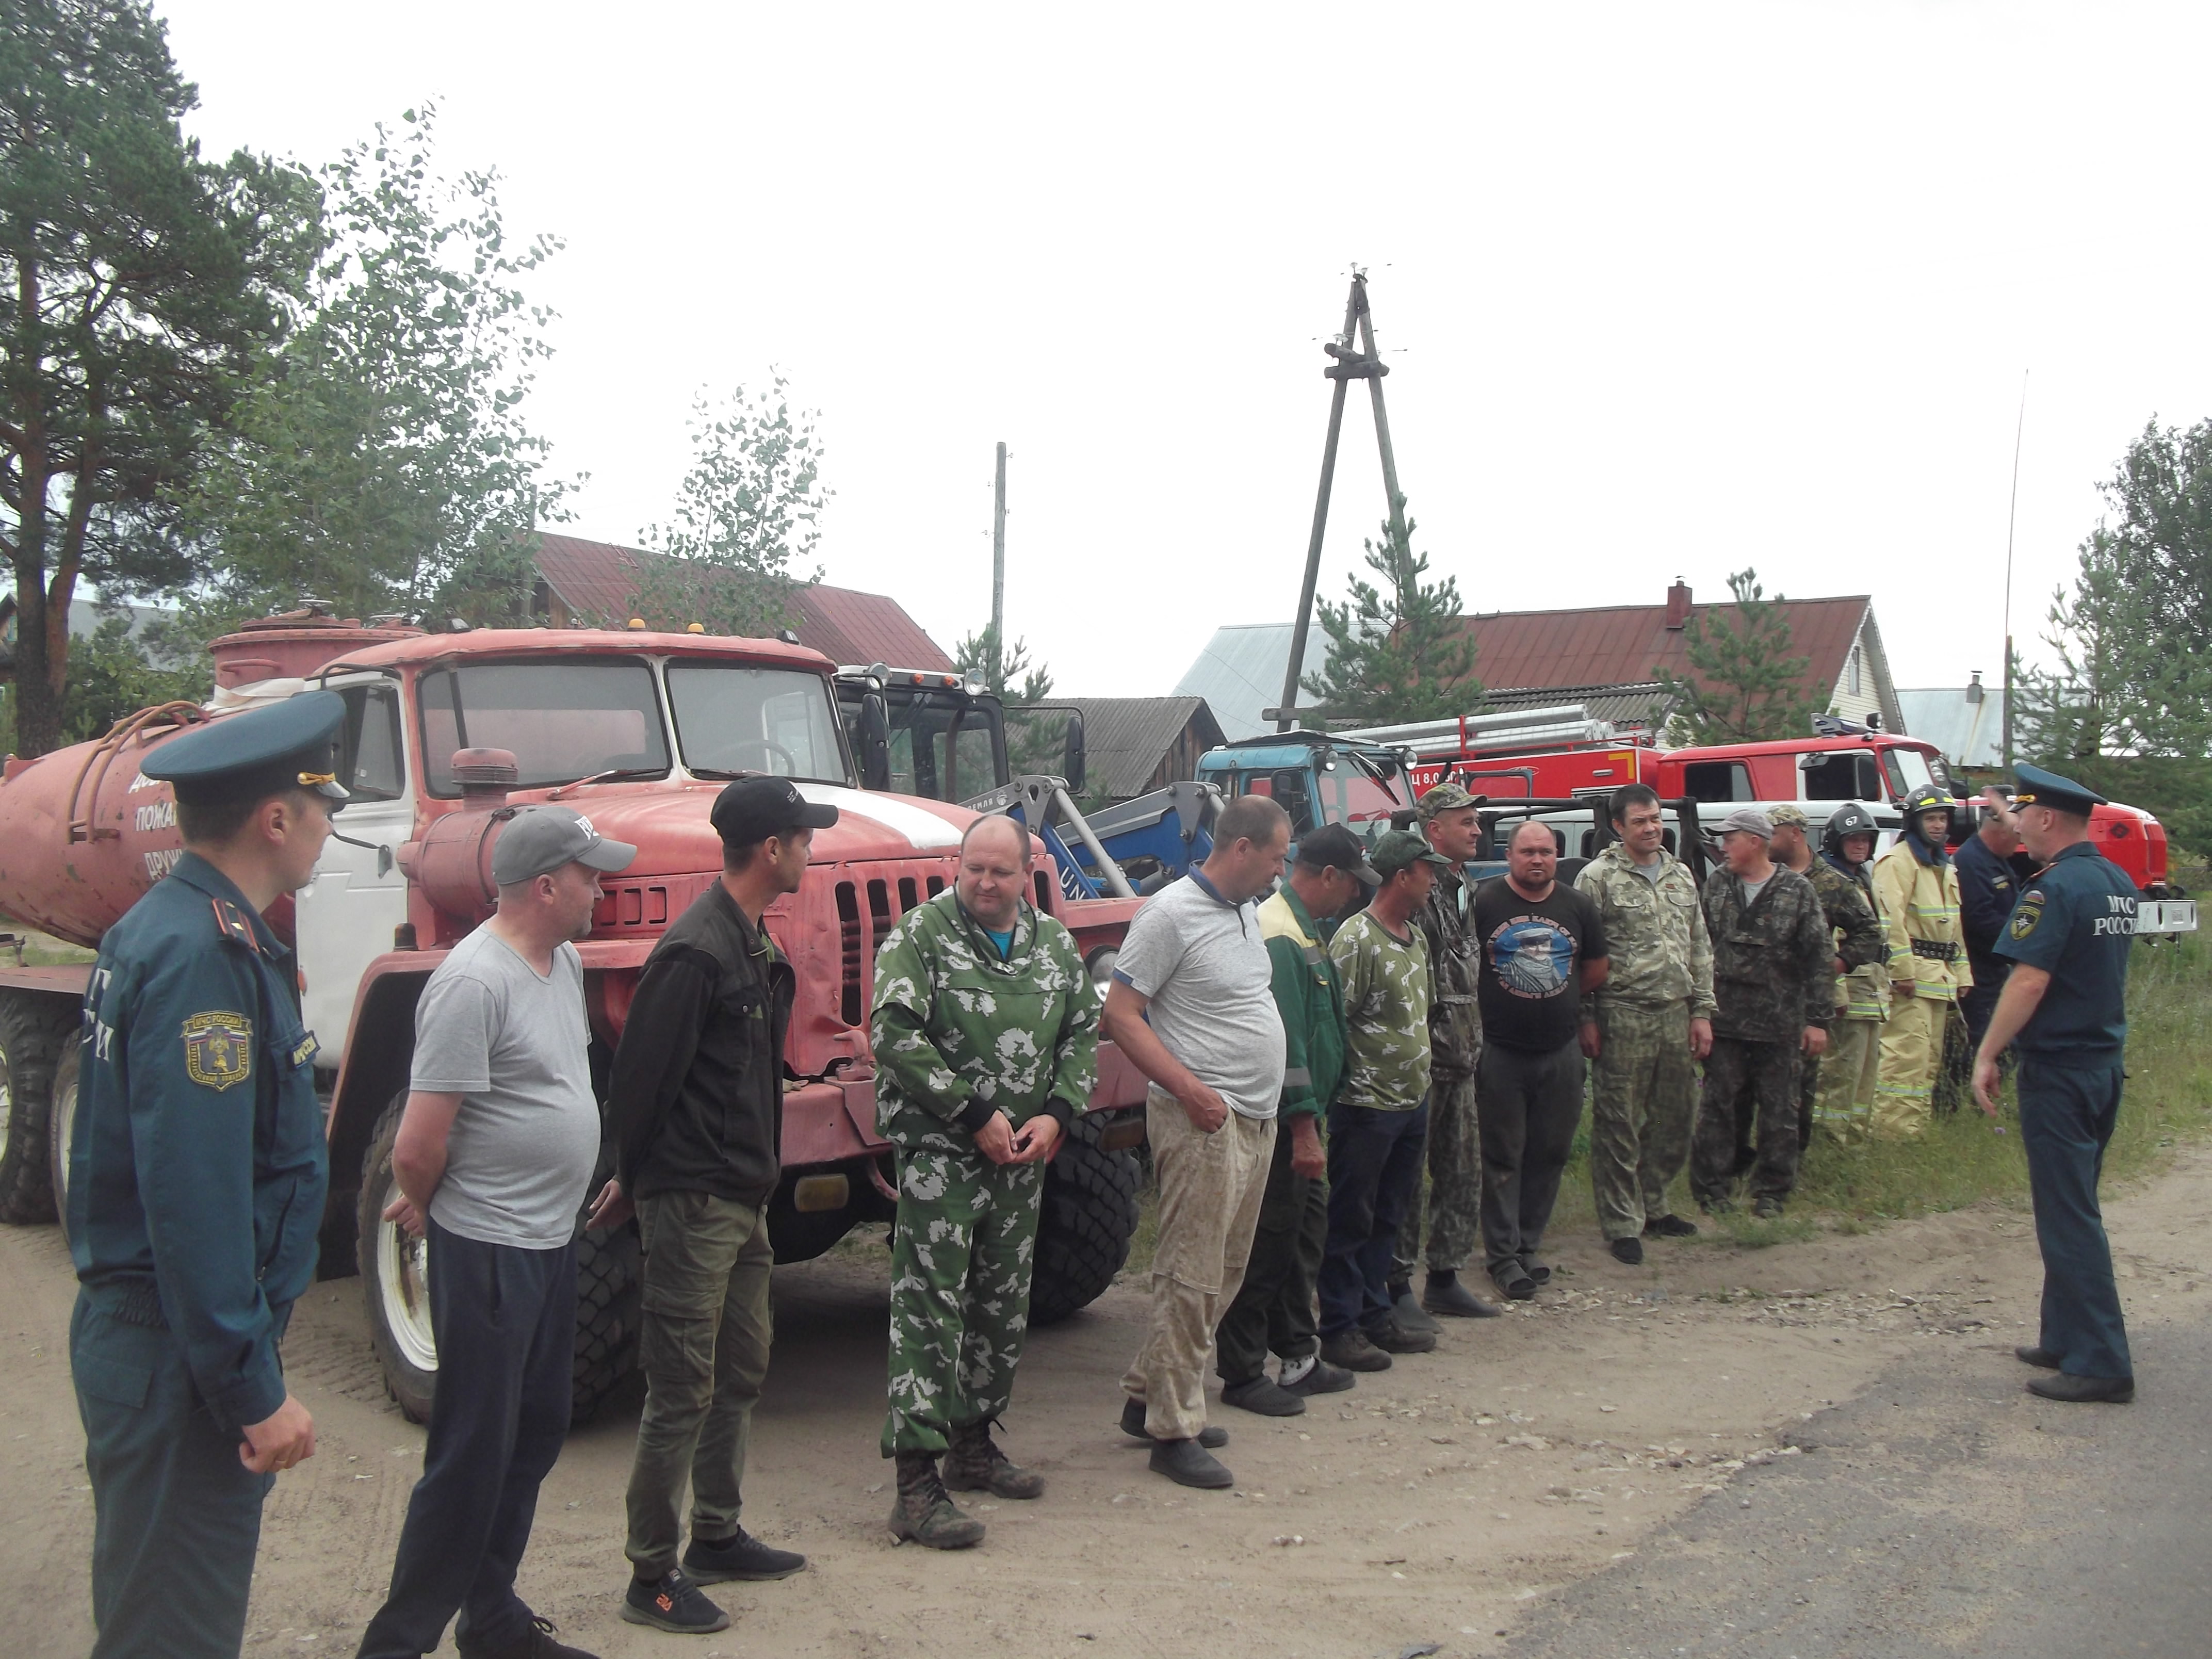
(541, 839)
(492, 1158)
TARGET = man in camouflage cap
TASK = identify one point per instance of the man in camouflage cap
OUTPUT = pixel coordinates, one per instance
(986, 1036)
(1852, 923)
(1454, 830)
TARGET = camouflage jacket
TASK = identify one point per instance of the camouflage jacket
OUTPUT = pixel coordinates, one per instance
(958, 1034)
(1864, 986)
(1919, 905)
(1455, 961)
(1386, 1011)
(1774, 965)
(1661, 951)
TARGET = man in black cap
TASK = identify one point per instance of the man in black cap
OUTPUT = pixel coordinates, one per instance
(493, 1157)
(696, 1107)
(2064, 1005)
(1274, 1307)
(196, 1178)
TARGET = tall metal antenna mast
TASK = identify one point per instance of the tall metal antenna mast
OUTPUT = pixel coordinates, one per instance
(1355, 359)
(2012, 517)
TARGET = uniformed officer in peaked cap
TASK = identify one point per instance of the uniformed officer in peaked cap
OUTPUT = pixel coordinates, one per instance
(197, 1176)
(2065, 1006)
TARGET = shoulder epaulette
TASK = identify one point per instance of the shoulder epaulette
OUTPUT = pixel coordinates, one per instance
(231, 924)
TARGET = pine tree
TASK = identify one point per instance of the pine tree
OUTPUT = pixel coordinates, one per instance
(1744, 686)
(1397, 652)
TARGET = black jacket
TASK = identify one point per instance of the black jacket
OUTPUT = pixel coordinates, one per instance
(696, 1099)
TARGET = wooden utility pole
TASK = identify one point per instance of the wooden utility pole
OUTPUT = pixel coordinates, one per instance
(999, 555)
(1356, 359)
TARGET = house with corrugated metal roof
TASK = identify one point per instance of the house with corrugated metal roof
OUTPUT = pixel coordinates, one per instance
(1605, 658)
(1132, 746)
(1966, 723)
(592, 584)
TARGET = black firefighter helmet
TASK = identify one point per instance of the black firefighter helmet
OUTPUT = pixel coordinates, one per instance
(1847, 820)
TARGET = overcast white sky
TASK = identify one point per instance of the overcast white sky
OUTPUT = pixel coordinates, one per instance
(1665, 289)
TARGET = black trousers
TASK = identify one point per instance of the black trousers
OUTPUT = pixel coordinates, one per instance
(1274, 1311)
(505, 1319)
(1527, 1105)
(1374, 1174)
(2066, 1118)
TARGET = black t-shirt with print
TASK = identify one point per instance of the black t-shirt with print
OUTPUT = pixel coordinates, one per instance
(1530, 985)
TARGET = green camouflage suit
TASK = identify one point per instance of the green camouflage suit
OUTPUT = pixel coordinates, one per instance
(1455, 1149)
(1645, 1086)
(958, 1035)
(1860, 942)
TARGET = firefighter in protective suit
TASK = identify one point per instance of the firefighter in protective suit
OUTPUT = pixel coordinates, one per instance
(1850, 1070)
(1916, 890)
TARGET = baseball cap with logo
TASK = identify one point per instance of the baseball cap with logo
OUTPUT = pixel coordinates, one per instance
(1749, 819)
(752, 809)
(542, 838)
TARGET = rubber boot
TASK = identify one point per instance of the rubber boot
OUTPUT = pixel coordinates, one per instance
(975, 1463)
(923, 1512)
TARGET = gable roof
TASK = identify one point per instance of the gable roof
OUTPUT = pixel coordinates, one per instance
(1625, 644)
(599, 580)
(1966, 723)
(1126, 738)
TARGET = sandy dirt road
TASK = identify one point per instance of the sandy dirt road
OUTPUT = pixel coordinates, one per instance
(1442, 1502)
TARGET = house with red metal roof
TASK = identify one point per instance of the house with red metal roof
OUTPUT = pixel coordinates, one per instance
(592, 584)
(1605, 658)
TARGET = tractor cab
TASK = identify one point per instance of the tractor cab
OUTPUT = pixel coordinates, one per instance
(1317, 779)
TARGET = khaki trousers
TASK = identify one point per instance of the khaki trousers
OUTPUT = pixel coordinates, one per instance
(1210, 1187)
(1849, 1072)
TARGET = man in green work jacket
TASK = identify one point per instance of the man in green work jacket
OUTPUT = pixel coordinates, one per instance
(1274, 1309)
(986, 1037)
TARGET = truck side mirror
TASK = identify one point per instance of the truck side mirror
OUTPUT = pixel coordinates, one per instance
(1072, 762)
(875, 743)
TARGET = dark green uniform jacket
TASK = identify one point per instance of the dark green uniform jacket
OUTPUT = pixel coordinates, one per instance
(1309, 996)
(197, 1171)
(1774, 970)
(960, 1032)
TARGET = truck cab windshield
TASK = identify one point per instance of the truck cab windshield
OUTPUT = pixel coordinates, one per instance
(563, 719)
(730, 717)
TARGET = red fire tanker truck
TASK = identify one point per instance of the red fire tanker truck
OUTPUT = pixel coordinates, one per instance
(443, 732)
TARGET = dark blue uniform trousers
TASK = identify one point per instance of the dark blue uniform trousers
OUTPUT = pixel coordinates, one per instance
(505, 1319)
(178, 1518)
(1374, 1171)
(2066, 1117)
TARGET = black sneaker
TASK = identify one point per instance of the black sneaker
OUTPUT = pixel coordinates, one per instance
(1670, 1226)
(536, 1642)
(1133, 1425)
(1388, 1334)
(1322, 1377)
(1444, 1294)
(1406, 1308)
(672, 1602)
(1264, 1395)
(741, 1556)
(1629, 1252)
(1350, 1350)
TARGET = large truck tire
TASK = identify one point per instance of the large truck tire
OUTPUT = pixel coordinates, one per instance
(395, 1277)
(61, 1121)
(35, 1028)
(1089, 1216)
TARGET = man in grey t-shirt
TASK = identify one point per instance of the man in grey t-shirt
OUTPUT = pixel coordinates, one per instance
(1193, 1006)
(494, 1154)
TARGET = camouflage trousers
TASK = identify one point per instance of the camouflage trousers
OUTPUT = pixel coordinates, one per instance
(1454, 1186)
(962, 1254)
(1749, 1086)
(1643, 1102)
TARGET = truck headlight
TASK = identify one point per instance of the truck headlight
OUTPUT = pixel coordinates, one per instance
(1100, 966)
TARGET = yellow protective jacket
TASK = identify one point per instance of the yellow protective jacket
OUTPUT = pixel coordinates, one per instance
(1919, 906)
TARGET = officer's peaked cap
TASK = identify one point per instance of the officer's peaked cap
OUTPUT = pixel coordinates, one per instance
(292, 744)
(2040, 788)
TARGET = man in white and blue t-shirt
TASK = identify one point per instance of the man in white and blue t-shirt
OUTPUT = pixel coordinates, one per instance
(494, 1152)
